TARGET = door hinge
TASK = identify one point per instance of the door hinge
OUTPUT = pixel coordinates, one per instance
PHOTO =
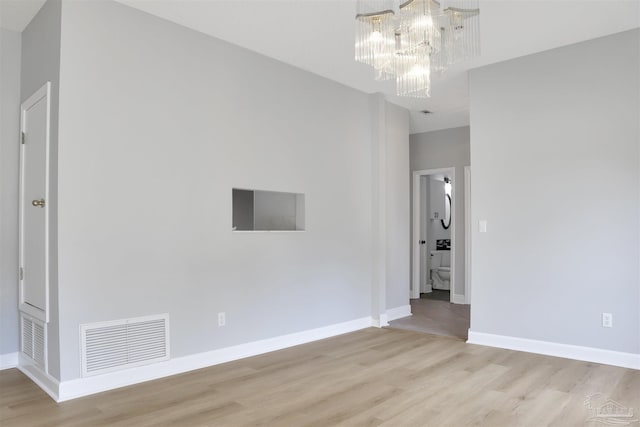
(24, 138)
(21, 273)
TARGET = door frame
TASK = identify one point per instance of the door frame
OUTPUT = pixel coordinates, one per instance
(467, 234)
(415, 245)
(43, 92)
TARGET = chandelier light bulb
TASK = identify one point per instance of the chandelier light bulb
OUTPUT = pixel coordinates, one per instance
(423, 21)
(418, 70)
(376, 37)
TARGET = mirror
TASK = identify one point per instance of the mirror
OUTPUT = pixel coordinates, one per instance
(446, 222)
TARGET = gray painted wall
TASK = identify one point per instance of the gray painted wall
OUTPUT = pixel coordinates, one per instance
(398, 214)
(9, 152)
(555, 154)
(441, 149)
(41, 63)
(155, 133)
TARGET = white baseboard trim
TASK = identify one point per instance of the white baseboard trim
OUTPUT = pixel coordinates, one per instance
(589, 354)
(8, 361)
(380, 323)
(46, 382)
(459, 299)
(398, 312)
(90, 385)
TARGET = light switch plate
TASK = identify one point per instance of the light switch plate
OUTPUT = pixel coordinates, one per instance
(607, 320)
(482, 226)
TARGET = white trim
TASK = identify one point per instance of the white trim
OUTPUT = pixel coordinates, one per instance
(398, 312)
(85, 386)
(8, 361)
(43, 92)
(454, 243)
(380, 323)
(43, 380)
(589, 354)
(415, 245)
(458, 299)
(468, 229)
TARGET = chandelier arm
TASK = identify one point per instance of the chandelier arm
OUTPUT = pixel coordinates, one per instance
(457, 9)
(372, 14)
(405, 4)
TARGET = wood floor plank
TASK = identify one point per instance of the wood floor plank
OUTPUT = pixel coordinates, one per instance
(373, 377)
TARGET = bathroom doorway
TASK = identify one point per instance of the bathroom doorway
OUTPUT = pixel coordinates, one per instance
(434, 232)
(438, 301)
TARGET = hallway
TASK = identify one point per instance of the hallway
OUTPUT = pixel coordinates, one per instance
(436, 317)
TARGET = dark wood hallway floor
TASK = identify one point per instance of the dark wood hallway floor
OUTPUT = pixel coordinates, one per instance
(437, 318)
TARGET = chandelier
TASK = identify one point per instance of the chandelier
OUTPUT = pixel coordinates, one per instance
(412, 40)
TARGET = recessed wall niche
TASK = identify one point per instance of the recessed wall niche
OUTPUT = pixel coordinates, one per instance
(258, 210)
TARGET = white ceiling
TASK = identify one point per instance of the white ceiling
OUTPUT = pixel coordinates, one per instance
(16, 14)
(318, 35)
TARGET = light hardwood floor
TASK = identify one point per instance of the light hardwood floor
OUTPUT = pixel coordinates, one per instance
(384, 377)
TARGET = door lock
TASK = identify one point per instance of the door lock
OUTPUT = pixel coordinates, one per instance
(38, 203)
(422, 242)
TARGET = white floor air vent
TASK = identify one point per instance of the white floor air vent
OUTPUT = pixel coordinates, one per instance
(34, 341)
(121, 344)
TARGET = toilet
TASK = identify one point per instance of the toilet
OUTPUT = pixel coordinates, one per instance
(440, 270)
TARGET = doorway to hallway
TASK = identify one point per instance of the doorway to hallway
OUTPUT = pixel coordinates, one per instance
(438, 301)
(435, 317)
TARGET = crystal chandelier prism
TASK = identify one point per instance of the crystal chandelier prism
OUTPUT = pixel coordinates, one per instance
(415, 39)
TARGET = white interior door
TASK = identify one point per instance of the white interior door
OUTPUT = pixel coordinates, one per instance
(34, 209)
(425, 284)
